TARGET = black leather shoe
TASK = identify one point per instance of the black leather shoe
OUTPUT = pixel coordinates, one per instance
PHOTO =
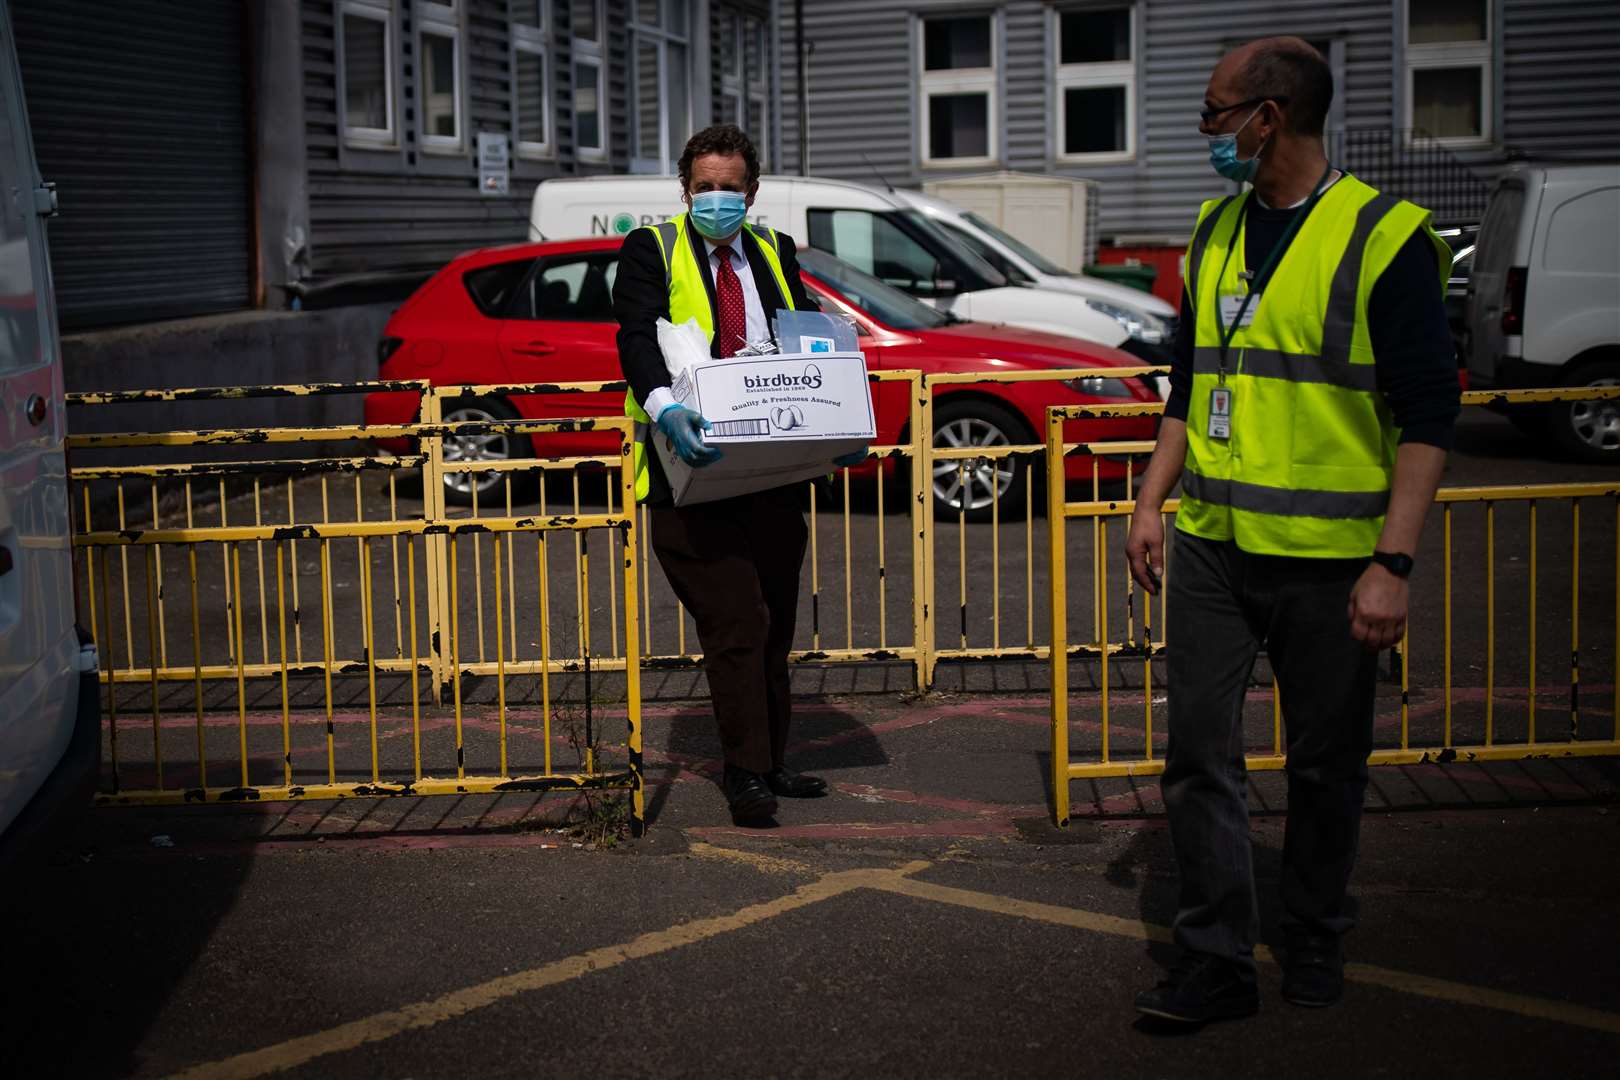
(1199, 989)
(749, 798)
(1313, 971)
(794, 785)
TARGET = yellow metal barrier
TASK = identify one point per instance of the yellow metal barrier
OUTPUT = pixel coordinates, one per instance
(402, 742)
(1482, 737)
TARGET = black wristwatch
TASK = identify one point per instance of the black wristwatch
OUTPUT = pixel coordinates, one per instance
(1393, 561)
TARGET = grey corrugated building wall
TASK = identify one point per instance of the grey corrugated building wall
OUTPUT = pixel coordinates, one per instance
(1535, 75)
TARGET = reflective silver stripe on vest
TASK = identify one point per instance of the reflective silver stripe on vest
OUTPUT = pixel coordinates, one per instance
(668, 232)
(1200, 242)
(1339, 325)
(1292, 367)
(1284, 502)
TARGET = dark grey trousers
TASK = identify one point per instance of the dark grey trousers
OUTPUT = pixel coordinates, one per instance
(1224, 605)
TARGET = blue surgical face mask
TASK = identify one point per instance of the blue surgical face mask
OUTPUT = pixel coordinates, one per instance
(719, 214)
(1223, 153)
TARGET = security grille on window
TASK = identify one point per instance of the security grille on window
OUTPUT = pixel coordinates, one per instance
(660, 82)
(531, 78)
(1095, 84)
(439, 78)
(1449, 77)
(958, 90)
(589, 30)
(366, 47)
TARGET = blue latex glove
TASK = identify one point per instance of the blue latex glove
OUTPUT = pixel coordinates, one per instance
(685, 429)
(851, 459)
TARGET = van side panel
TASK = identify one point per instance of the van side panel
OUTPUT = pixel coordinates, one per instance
(1572, 303)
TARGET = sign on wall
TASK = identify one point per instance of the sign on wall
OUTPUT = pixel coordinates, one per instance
(494, 163)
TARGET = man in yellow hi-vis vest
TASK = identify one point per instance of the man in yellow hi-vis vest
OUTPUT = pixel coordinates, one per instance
(1313, 394)
(733, 563)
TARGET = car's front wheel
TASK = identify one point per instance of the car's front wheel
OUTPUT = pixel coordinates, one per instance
(975, 484)
(489, 485)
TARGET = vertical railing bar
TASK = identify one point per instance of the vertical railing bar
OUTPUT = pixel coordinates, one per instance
(500, 649)
(367, 612)
(995, 565)
(241, 662)
(1575, 621)
(1531, 729)
(545, 642)
(416, 694)
(455, 654)
(1102, 635)
(849, 573)
(1490, 623)
(613, 537)
(815, 577)
(292, 565)
(326, 648)
(644, 545)
(963, 495)
(1446, 521)
(1406, 685)
(152, 657)
(478, 572)
(393, 552)
(511, 571)
(90, 571)
(264, 606)
(162, 623)
(1029, 557)
(882, 568)
(123, 564)
(1147, 676)
(1057, 528)
(112, 684)
(196, 658)
(281, 637)
(233, 644)
(581, 577)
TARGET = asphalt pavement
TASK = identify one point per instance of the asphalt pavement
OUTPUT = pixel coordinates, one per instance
(924, 918)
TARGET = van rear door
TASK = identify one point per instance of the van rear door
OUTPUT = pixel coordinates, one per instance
(38, 645)
(1497, 251)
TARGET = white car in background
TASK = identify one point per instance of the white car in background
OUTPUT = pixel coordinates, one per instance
(49, 735)
(1143, 316)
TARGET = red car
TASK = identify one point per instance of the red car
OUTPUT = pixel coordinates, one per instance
(543, 312)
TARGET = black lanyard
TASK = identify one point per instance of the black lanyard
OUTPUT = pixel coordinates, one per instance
(1260, 280)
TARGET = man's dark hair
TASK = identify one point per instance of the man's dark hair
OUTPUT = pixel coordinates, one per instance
(1289, 68)
(726, 139)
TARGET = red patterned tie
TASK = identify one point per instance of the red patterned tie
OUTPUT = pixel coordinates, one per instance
(733, 313)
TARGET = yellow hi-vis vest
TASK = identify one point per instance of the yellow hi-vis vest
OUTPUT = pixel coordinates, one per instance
(1306, 471)
(689, 299)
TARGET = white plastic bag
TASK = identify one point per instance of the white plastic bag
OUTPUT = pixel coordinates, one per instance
(682, 346)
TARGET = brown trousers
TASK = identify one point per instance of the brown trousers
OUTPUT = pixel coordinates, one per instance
(735, 565)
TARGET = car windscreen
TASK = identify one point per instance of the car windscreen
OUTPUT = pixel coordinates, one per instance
(902, 248)
(1023, 250)
(885, 303)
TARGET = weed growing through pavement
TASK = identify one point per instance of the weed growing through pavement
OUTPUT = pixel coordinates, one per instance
(606, 818)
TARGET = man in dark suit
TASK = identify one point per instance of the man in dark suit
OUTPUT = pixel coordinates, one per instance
(734, 563)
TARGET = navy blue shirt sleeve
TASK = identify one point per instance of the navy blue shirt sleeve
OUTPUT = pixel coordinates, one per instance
(1181, 362)
(1415, 357)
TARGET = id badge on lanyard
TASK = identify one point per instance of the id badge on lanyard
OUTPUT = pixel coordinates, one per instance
(1220, 412)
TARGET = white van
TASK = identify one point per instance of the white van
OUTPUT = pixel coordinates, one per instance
(886, 234)
(1544, 298)
(1143, 315)
(49, 738)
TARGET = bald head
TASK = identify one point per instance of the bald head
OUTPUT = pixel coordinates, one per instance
(1281, 68)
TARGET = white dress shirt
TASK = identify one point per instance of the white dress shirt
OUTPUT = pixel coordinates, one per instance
(756, 323)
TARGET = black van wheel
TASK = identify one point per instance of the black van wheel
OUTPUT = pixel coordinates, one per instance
(1589, 430)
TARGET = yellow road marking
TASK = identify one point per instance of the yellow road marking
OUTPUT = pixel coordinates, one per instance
(1388, 978)
(772, 864)
(423, 1014)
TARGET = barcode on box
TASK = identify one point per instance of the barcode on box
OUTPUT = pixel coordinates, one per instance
(732, 428)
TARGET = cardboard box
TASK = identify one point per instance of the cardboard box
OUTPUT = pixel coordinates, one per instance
(779, 419)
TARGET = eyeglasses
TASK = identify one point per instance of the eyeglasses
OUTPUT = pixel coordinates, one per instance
(1209, 115)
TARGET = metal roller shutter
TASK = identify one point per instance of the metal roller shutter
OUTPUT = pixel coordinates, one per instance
(139, 114)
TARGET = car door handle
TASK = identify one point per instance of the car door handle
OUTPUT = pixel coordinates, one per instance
(534, 348)
(36, 410)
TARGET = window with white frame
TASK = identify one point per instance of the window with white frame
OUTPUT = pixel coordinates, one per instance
(589, 32)
(366, 66)
(531, 78)
(1095, 83)
(438, 79)
(1449, 70)
(744, 80)
(957, 89)
(660, 84)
